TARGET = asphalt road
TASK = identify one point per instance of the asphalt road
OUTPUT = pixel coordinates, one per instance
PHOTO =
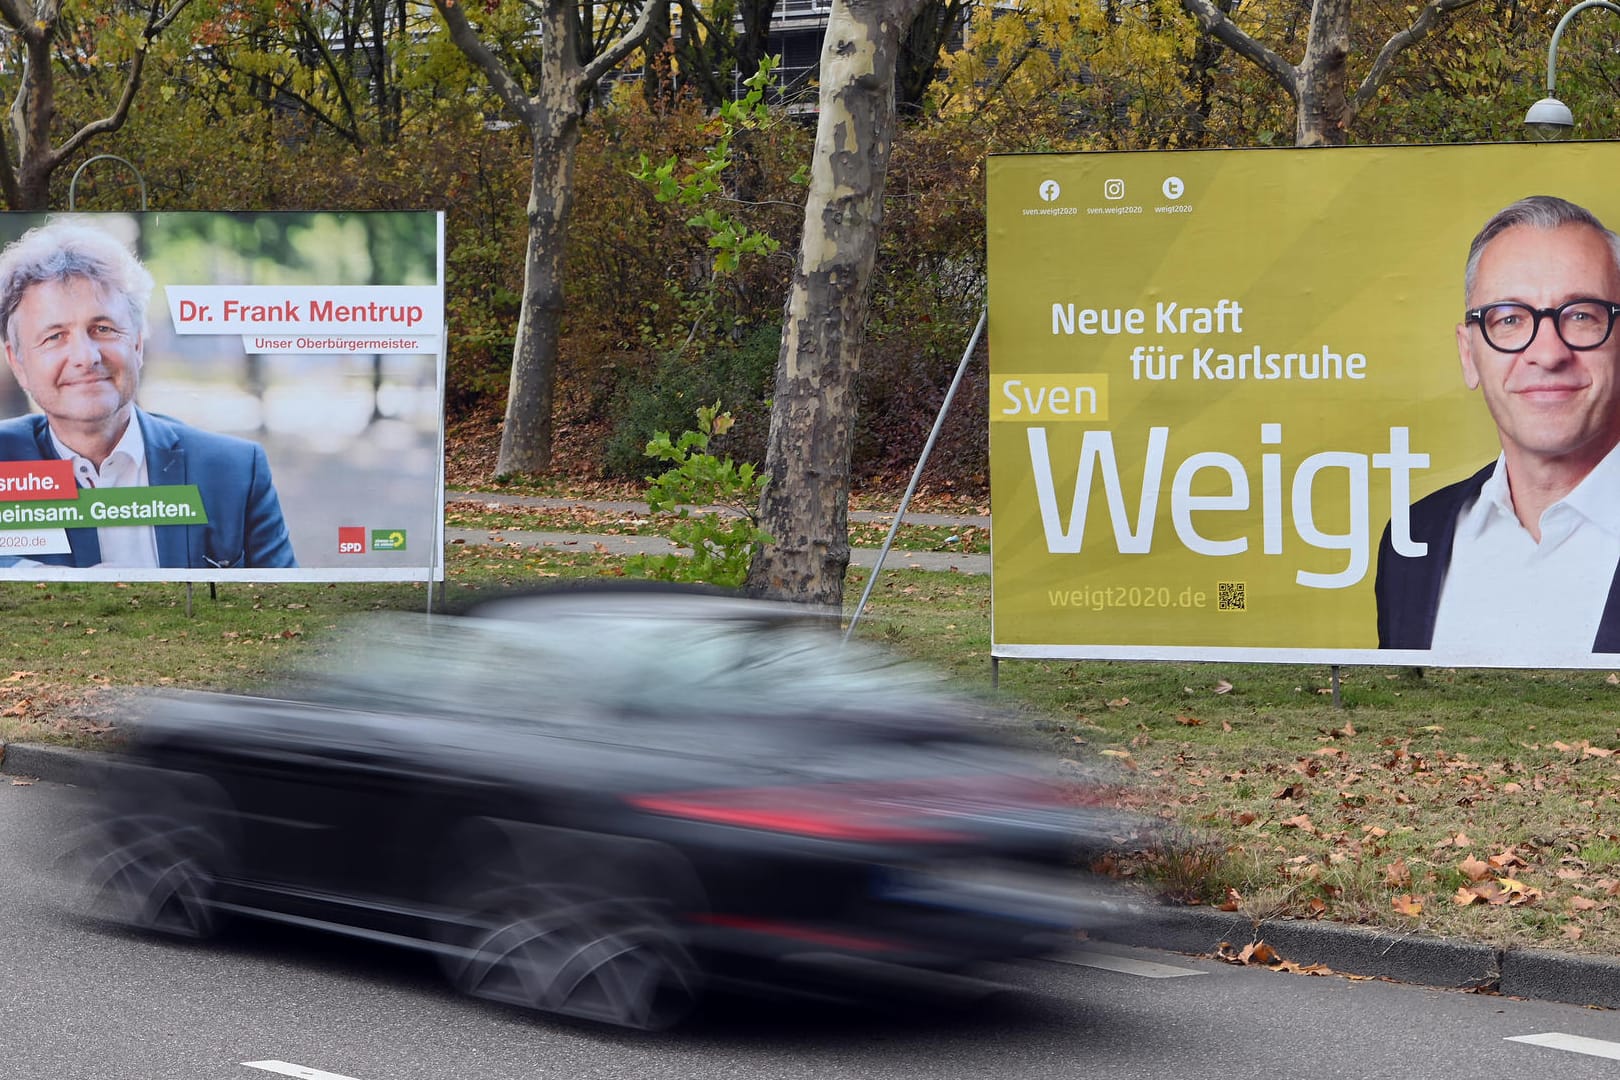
(85, 1003)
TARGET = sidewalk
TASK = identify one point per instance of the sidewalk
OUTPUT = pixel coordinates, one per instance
(658, 545)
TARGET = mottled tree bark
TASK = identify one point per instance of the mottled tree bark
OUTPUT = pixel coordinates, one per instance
(552, 115)
(805, 507)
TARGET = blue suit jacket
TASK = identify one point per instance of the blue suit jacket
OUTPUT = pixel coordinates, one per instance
(1408, 590)
(245, 529)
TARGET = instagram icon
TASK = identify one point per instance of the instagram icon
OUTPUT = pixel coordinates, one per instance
(1113, 189)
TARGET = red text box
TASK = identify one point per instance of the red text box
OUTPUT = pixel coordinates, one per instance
(30, 480)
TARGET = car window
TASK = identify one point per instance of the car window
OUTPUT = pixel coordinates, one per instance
(579, 665)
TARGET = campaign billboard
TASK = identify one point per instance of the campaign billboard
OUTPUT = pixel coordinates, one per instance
(1243, 405)
(222, 396)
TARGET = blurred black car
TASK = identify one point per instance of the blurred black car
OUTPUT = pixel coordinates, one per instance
(597, 802)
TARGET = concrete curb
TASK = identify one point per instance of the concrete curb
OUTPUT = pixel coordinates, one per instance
(1420, 959)
(58, 764)
(1552, 976)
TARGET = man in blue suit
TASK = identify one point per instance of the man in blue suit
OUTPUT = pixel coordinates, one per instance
(73, 317)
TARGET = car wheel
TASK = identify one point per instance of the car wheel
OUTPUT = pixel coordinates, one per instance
(572, 951)
(150, 872)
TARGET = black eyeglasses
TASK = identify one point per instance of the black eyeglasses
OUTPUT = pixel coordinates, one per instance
(1510, 327)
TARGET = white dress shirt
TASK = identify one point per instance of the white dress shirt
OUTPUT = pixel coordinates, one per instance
(1507, 597)
(121, 545)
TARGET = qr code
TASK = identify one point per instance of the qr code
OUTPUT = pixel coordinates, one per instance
(1229, 596)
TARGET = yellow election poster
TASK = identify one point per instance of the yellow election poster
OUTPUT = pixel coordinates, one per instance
(1352, 406)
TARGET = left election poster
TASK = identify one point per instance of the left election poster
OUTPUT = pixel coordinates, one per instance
(218, 396)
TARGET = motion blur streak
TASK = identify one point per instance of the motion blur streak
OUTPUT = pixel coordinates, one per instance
(600, 802)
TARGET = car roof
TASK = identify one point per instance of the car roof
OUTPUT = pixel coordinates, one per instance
(650, 599)
(631, 651)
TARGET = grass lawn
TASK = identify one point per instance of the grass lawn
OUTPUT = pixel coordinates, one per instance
(1482, 804)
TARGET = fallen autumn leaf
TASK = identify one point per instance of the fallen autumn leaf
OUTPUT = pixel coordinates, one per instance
(1407, 905)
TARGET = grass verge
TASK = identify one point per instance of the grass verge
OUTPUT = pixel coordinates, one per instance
(472, 514)
(1478, 803)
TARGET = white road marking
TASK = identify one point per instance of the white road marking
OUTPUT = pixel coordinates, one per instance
(303, 1072)
(1575, 1044)
(1125, 965)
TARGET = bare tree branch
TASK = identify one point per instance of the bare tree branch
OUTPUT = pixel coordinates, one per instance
(1008, 70)
(1396, 45)
(111, 122)
(609, 58)
(11, 11)
(157, 21)
(472, 46)
(1213, 21)
(8, 173)
(17, 120)
(615, 16)
(317, 41)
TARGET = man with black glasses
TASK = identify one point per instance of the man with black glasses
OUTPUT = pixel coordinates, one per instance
(1522, 555)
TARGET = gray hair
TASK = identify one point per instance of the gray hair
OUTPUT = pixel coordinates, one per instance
(1545, 212)
(63, 250)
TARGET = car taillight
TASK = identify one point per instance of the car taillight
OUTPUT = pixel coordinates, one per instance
(795, 932)
(828, 813)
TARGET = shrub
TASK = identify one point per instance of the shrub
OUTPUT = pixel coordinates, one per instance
(663, 400)
(713, 501)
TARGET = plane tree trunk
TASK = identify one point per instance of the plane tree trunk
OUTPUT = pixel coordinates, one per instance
(805, 506)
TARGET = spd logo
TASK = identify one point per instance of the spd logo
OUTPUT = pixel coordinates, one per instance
(387, 539)
(351, 539)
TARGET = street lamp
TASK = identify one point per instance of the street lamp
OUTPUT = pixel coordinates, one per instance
(1550, 118)
(74, 183)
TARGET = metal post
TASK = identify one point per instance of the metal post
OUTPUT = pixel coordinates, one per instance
(1558, 32)
(74, 183)
(1337, 704)
(1550, 118)
(916, 474)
